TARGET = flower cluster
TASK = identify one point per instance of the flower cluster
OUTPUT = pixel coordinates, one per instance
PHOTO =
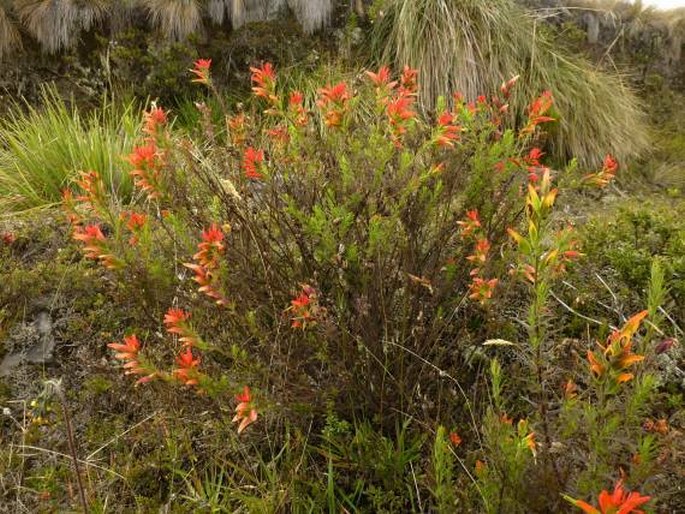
(148, 158)
(537, 113)
(96, 246)
(252, 163)
(264, 84)
(176, 322)
(305, 309)
(617, 355)
(207, 263)
(481, 288)
(333, 102)
(619, 501)
(245, 411)
(604, 176)
(201, 71)
(397, 98)
(128, 352)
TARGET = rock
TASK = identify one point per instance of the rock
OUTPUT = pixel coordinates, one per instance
(34, 343)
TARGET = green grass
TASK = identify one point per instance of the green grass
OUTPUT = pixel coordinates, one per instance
(42, 149)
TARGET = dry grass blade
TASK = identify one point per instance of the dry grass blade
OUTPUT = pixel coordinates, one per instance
(56, 24)
(313, 15)
(472, 46)
(175, 18)
(9, 35)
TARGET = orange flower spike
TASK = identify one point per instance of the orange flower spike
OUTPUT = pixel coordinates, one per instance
(507, 86)
(382, 78)
(210, 247)
(455, 439)
(252, 163)
(264, 80)
(448, 133)
(128, 350)
(617, 502)
(384, 86)
(176, 323)
(408, 81)
(187, 368)
(245, 413)
(201, 71)
(482, 290)
(153, 121)
(470, 224)
(595, 366)
(296, 108)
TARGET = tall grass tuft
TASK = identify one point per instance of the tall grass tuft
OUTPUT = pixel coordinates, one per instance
(41, 150)
(57, 24)
(9, 35)
(175, 18)
(472, 46)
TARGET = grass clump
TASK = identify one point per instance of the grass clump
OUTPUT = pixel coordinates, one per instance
(473, 46)
(42, 149)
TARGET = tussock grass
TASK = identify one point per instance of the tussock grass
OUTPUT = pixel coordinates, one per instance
(472, 46)
(175, 18)
(9, 35)
(41, 149)
(55, 25)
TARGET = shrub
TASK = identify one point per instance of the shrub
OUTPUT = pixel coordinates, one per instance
(338, 258)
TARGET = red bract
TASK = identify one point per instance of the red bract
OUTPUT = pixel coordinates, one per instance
(619, 501)
(408, 81)
(187, 368)
(536, 112)
(95, 246)
(252, 161)
(604, 176)
(90, 183)
(147, 162)
(264, 80)
(382, 78)
(471, 224)
(333, 102)
(176, 323)
(245, 413)
(482, 289)
(201, 71)
(384, 86)
(447, 132)
(128, 352)
(135, 222)
(153, 121)
(8, 238)
(400, 115)
(211, 247)
(296, 108)
(304, 308)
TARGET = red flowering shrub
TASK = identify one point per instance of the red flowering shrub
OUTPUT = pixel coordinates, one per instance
(346, 253)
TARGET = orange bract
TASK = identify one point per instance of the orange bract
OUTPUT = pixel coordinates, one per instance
(245, 413)
(619, 501)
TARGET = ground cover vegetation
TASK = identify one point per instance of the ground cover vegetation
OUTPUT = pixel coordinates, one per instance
(351, 290)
